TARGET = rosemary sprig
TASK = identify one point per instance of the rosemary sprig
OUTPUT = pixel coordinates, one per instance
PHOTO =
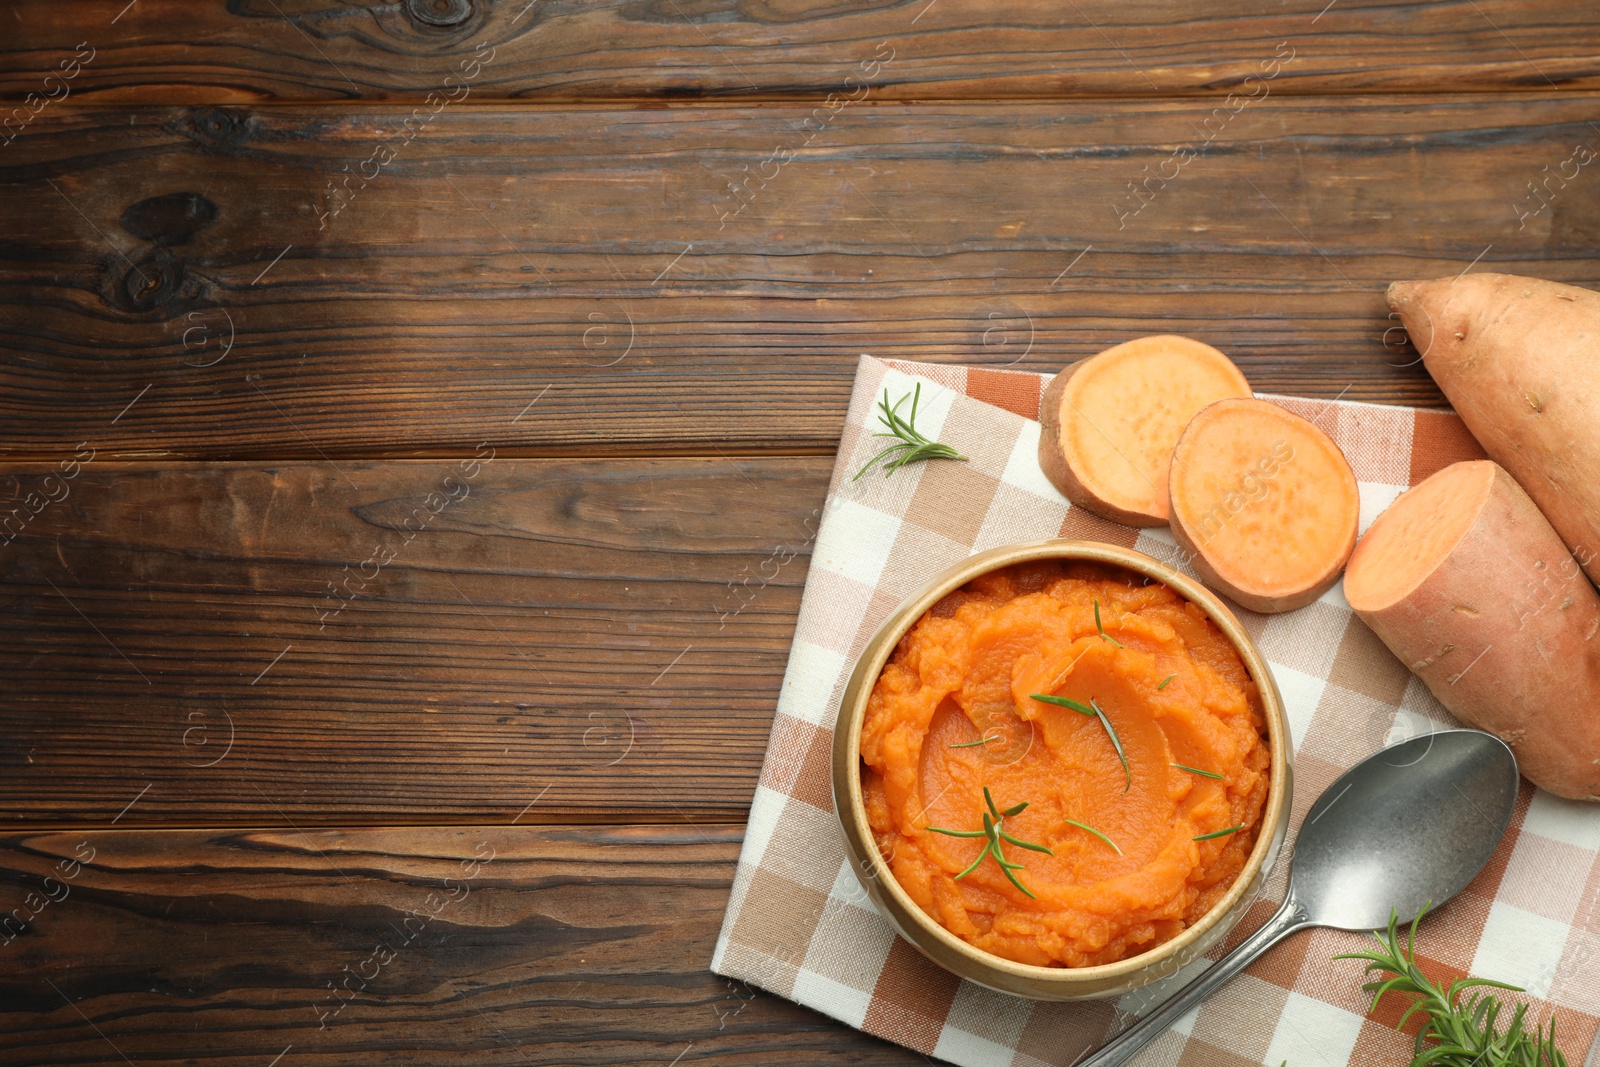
(1093, 711)
(1460, 1026)
(1220, 833)
(1103, 635)
(1097, 833)
(912, 446)
(974, 744)
(1116, 743)
(1197, 770)
(1164, 682)
(994, 830)
(1064, 702)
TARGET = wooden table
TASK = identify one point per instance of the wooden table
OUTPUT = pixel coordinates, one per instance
(414, 417)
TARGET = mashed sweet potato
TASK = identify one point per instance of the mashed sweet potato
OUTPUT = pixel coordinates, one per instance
(967, 671)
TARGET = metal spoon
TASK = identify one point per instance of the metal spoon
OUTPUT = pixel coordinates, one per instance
(1406, 826)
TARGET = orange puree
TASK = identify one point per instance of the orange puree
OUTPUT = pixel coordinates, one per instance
(966, 671)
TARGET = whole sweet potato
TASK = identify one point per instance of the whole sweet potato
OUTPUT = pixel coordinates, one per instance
(1519, 359)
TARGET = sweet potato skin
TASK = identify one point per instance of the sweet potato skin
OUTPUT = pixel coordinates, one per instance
(1505, 631)
(1519, 360)
(1056, 468)
(1207, 361)
(1266, 605)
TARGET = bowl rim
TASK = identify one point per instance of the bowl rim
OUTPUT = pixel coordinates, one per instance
(875, 655)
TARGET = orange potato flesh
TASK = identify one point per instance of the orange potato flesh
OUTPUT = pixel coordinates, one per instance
(1111, 421)
(1404, 544)
(1264, 503)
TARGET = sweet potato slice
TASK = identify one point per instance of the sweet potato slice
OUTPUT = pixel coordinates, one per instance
(1264, 503)
(1517, 358)
(1470, 586)
(1110, 422)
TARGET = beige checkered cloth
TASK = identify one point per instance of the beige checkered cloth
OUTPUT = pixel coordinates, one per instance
(799, 925)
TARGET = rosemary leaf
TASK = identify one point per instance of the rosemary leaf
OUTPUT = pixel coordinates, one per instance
(1029, 845)
(1103, 635)
(1005, 864)
(1164, 682)
(1116, 743)
(988, 799)
(1459, 1028)
(974, 864)
(1007, 869)
(994, 832)
(1063, 702)
(1092, 710)
(1097, 833)
(1197, 770)
(912, 447)
(1220, 833)
(974, 744)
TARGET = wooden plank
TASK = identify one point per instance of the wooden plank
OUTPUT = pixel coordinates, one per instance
(400, 642)
(592, 263)
(577, 945)
(165, 51)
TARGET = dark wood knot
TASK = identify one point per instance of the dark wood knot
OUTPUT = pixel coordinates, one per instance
(439, 12)
(216, 128)
(158, 283)
(171, 219)
(152, 281)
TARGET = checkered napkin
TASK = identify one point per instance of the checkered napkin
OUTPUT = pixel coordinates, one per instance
(799, 925)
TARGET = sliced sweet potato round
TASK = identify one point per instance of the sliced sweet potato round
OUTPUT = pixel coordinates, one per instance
(1111, 421)
(1264, 503)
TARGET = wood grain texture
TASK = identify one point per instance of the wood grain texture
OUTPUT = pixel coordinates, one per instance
(249, 51)
(532, 946)
(513, 236)
(596, 264)
(400, 642)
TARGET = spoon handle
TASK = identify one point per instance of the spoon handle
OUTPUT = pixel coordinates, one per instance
(1290, 917)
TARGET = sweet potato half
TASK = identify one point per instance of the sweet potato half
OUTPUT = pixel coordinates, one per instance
(1519, 359)
(1264, 503)
(1471, 588)
(1111, 421)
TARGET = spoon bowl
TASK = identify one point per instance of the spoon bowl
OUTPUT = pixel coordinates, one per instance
(1405, 829)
